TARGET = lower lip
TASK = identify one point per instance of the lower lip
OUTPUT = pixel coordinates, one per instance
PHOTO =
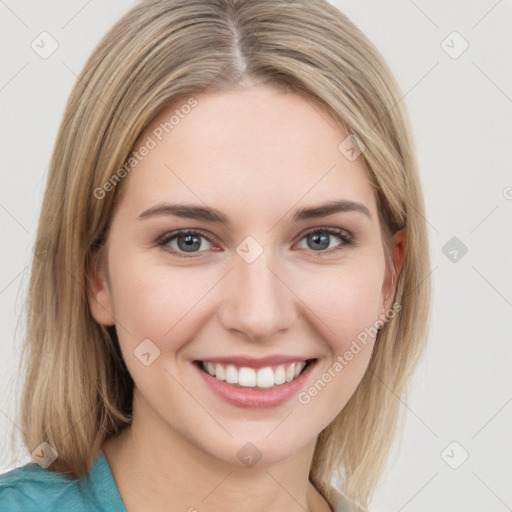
(251, 398)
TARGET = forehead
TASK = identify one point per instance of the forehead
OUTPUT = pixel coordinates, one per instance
(255, 151)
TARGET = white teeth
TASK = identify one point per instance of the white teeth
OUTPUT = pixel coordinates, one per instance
(290, 372)
(265, 378)
(231, 374)
(250, 377)
(219, 372)
(247, 377)
(280, 375)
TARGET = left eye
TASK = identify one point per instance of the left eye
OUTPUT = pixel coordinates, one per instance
(320, 237)
(189, 242)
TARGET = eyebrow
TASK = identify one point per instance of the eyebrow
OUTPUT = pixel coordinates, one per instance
(216, 216)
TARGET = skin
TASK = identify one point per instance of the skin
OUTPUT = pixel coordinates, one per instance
(256, 154)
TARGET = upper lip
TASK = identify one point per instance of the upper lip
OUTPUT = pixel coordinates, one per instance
(252, 362)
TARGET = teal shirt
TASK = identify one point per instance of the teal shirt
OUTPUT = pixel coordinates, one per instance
(34, 489)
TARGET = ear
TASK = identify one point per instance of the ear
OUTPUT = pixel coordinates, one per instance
(98, 291)
(392, 272)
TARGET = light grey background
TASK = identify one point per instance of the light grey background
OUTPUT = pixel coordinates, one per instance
(461, 115)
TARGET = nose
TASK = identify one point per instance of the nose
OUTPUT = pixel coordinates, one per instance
(259, 303)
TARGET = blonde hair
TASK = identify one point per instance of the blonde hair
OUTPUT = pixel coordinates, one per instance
(77, 391)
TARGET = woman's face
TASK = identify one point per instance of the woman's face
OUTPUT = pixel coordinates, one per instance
(258, 283)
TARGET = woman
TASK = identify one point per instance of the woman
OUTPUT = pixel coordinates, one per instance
(228, 291)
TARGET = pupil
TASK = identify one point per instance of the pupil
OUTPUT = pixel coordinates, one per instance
(321, 238)
(191, 242)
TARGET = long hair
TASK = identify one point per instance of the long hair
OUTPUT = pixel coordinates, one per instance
(77, 391)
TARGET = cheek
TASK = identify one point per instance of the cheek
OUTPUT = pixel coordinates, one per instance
(347, 304)
(346, 301)
(157, 302)
(163, 302)
(170, 305)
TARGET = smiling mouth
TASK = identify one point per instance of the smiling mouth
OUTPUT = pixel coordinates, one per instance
(261, 378)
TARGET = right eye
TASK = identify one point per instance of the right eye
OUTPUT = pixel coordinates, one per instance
(188, 242)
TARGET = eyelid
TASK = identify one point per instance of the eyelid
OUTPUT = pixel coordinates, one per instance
(328, 229)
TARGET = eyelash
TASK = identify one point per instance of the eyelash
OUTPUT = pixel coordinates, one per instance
(344, 237)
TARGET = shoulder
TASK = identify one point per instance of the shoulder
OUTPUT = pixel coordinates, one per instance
(31, 488)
